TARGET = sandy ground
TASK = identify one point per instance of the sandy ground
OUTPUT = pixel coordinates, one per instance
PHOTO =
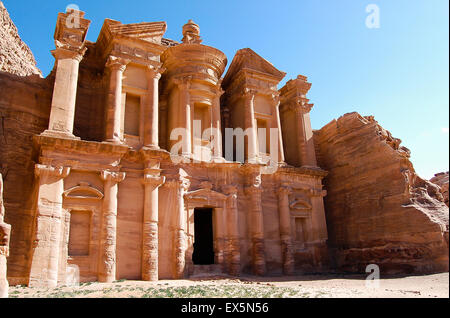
(323, 286)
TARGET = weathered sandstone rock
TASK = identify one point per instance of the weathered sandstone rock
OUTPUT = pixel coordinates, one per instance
(5, 231)
(441, 179)
(378, 210)
(15, 56)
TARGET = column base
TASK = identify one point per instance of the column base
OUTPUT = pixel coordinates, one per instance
(218, 160)
(59, 134)
(151, 147)
(114, 141)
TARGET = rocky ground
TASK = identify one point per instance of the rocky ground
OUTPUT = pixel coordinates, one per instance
(314, 286)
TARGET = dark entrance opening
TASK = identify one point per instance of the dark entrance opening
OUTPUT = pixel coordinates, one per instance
(203, 244)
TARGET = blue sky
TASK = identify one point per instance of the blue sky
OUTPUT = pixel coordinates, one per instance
(399, 72)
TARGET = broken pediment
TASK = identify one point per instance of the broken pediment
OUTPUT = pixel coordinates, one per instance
(83, 191)
(145, 36)
(146, 31)
(248, 60)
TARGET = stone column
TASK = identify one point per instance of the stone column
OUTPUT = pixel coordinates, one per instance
(276, 101)
(233, 242)
(250, 124)
(180, 230)
(257, 230)
(185, 112)
(218, 153)
(150, 227)
(151, 108)
(219, 240)
(47, 237)
(114, 114)
(285, 230)
(307, 151)
(62, 113)
(108, 240)
(5, 232)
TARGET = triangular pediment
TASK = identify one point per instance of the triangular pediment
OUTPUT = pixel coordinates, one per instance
(205, 195)
(247, 59)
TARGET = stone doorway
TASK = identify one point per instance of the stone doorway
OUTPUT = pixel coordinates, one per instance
(203, 237)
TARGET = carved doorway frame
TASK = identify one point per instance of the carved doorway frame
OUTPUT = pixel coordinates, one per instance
(208, 199)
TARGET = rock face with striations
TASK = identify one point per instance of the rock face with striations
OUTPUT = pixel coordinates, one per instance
(378, 210)
(441, 179)
(15, 56)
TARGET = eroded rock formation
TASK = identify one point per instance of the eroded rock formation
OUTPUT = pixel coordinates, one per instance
(15, 56)
(378, 210)
(441, 179)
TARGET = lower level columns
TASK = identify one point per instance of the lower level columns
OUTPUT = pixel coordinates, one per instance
(257, 230)
(47, 237)
(180, 238)
(150, 227)
(107, 261)
(233, 241)
(285, 230)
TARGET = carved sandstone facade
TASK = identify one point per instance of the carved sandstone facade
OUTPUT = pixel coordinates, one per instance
(110, 201)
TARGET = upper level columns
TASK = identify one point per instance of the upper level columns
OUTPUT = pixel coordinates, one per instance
(70, 48)
(184, 108)
(216, 126)
(250, 126)
(151, 108)
(294, 102)
(305, 145)
(62, 112)
(116, 67)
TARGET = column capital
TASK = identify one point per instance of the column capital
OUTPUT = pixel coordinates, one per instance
(284, 190)
(153, 180)
(318, 193)
(116, 177)
(155, 71)
(183, 81)
(117, 63)
(251, 190)
(178, 183)
(249, 93)
(63, 52)
(48, 170)
(230, 190)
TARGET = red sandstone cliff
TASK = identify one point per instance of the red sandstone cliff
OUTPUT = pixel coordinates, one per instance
(15, 56)
(378, 210)
(24, 110)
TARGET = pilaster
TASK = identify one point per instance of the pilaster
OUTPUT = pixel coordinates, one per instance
(47, 234)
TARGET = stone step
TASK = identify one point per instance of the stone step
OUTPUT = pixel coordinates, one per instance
(205, 270)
